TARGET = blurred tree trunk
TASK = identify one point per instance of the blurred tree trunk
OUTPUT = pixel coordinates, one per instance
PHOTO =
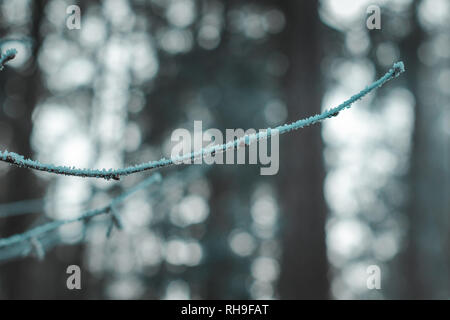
(304, 265)
(29, 278)
(22, 182)
(425, 260)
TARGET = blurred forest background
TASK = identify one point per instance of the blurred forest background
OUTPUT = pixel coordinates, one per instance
(369, 187)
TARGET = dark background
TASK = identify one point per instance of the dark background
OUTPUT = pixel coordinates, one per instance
(368, 187)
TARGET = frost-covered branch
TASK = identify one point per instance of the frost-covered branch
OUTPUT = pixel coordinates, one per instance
(246, 140)
(32, 235)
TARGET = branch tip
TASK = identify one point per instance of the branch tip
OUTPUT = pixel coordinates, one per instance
(399, 67)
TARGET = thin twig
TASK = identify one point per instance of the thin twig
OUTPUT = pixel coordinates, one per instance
(36, 232)
(246, 140)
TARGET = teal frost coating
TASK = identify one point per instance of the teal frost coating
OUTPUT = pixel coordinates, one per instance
(20, 161)
(33, 234)
(7, 56)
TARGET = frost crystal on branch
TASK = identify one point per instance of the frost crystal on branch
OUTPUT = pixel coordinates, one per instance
(7, 56)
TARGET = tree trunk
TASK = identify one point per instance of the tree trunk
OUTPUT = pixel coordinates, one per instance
(304, 265)
(425, 261)
(29, 278)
